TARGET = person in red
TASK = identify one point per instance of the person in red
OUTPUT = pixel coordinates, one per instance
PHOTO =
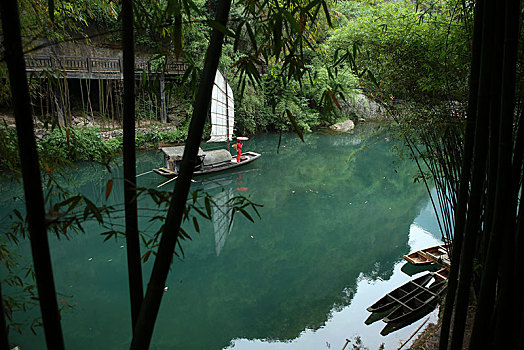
(239, 146)
(239, 149)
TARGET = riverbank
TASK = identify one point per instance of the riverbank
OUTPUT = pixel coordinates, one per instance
(430, 336)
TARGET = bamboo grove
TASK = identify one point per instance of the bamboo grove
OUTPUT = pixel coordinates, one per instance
(473, 157)
(488, 216)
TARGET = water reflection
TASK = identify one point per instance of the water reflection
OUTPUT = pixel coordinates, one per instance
(350, 322)
(336, 220)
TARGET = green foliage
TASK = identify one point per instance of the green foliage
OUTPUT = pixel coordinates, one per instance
(9, 158)
(152, 138)
(75, 144)
(414, 52)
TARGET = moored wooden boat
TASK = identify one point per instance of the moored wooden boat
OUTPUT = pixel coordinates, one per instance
(442, 274)
(432, 255)
(207, 162)
(437, 254)
(401, 293)
(222, 117)
(418, 304)
(416, 258)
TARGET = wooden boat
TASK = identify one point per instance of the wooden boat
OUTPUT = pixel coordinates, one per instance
(403, 292)
(207, 162)
(437, 254)
(442, 274)
(432, 255)
(416, 258)
(222, 122)
(426, 299)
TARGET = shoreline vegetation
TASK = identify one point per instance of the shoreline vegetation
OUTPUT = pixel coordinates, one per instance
(91, 140)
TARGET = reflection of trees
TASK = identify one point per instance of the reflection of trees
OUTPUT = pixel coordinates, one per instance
(307, 247)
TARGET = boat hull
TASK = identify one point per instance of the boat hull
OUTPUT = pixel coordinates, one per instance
(247, 158)
(401, 293)
(416, 258)
(426, 299)
(432, 255)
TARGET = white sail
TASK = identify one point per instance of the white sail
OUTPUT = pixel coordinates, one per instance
(222, 110)
(222, 216)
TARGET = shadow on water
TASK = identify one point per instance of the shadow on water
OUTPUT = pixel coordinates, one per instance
(410, 269)
(337, 208)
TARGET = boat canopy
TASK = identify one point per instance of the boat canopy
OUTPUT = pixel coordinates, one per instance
(176, 153)
(222, 110)
(217, 156)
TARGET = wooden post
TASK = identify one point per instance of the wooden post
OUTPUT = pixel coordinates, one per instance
(163, 109)
(59, 104)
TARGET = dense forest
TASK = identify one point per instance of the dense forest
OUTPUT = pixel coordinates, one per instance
(353, 54)
(448, 74)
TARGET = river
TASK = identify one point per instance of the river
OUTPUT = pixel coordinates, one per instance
(339, 211)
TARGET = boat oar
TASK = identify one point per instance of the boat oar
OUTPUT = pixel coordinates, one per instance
(147, 172)
(168, 181)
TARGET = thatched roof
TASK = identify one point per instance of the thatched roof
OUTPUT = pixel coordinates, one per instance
(217, 156)
(176, 153)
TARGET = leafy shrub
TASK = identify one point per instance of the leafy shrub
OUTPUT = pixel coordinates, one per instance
(75, 144)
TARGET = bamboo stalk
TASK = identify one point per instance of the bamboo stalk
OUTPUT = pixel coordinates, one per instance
(506, 209)
(34, 202)
(485, 111)
(465, 175)
(170, 235)
(134, 262)
(4, 343)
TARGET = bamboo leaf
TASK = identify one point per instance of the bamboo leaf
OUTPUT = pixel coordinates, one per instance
(311, 5)
(231, 221)
(291, 20)
(295, 124)
(208, 206)
(146, 255)
(184, 234)
(334, 98)
(371, 77)
(237, 36)
(220, 27)
(195, 223)
(326, 12)
(246, 214)
(109, 187)
(91, 207)
(251, 35)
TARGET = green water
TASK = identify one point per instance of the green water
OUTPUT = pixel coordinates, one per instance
(337, 211)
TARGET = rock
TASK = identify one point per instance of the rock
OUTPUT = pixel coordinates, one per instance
(344, 126)
(363, 108)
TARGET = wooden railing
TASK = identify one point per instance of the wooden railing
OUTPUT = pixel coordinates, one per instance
(90, 66)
